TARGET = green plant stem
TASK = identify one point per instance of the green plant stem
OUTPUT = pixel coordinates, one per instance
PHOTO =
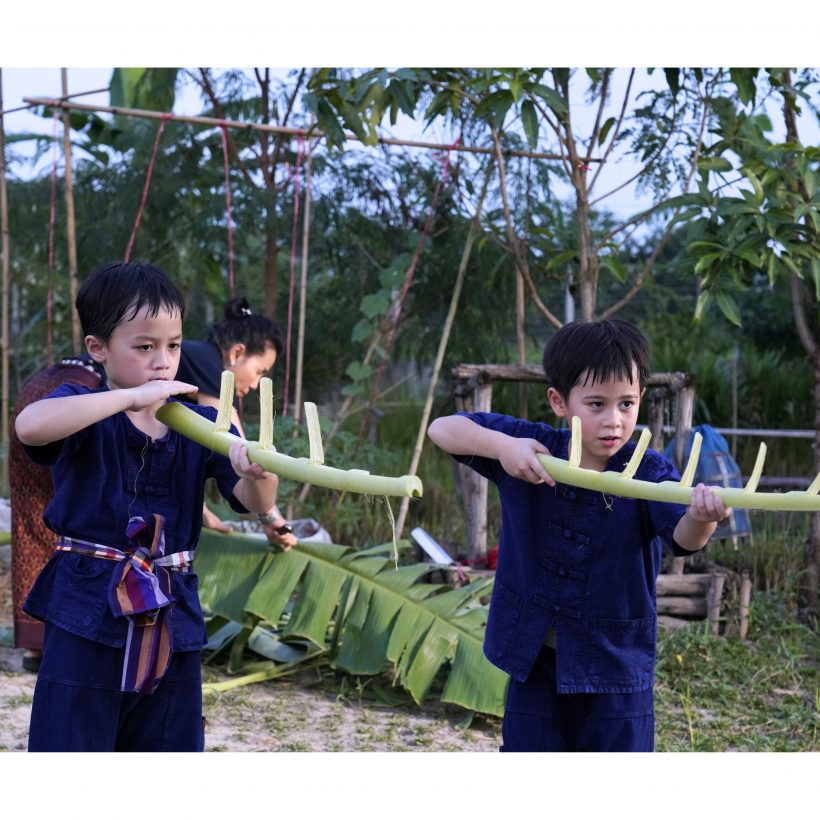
(202, 431)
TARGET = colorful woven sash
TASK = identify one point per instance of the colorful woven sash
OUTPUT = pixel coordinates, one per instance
(140, 590)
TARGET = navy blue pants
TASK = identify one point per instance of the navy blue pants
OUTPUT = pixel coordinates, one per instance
(78, 705)
(538, 719)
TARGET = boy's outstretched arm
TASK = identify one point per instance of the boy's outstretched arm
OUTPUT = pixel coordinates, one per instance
(256, 489)
(701, 519)
(50, 420)
(461, 436)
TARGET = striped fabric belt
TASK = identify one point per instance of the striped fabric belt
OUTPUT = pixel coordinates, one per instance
(140, 590)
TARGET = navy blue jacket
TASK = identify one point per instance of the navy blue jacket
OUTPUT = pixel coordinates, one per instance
(200, 363)
(103, 475)
(580, 562)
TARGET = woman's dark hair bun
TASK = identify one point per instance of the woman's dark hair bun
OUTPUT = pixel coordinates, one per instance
(241, 325)
(237, 308)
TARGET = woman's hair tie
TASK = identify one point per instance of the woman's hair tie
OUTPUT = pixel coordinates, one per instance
(246, 311)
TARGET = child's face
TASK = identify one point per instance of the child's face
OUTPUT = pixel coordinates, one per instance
(140, 350)
(608, 411)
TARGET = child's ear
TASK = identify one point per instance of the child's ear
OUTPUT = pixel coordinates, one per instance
(556, 401)
(95, 348)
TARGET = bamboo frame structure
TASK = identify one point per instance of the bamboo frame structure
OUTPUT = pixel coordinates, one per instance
(622, 484)
(279, 129)
(71, 228)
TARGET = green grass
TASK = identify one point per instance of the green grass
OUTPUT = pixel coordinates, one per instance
(717, 694)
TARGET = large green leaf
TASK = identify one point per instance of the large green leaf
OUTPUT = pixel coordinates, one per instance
(371, 612)
(147, 88)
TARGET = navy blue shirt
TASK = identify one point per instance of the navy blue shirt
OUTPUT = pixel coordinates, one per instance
(580, 562)
(200, 363)
(103, 475)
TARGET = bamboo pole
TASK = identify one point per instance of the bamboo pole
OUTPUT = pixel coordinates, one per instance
(714, 596)
(71, 229)
(29, 106)
(300, 341)
(279, 129)
(4, 331)
(442, 347)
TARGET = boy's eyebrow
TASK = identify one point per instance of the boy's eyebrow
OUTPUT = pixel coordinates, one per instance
(153, 338)
(602, 396)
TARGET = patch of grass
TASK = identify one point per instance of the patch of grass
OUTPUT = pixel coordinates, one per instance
(721, 694)
(15, 701)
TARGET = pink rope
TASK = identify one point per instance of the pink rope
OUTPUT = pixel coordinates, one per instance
(408, 281)
(144, 199)
(300, 154)
(224, 129)
(51, 220)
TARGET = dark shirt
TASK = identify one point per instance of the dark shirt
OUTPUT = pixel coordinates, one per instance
(200, 363)
(103, 475)
(579, 562)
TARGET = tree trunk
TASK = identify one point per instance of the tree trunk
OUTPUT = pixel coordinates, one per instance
(588, 266)
(271, 273)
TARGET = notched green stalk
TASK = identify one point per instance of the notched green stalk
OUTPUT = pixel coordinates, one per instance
(204, 432)
(614, 483)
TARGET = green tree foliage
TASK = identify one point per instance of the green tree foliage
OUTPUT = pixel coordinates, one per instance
(765, 228)
(510, 109)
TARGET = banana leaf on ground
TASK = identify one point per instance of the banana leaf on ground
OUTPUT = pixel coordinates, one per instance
(356, 607)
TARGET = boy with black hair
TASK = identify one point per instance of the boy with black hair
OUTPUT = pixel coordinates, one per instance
(123, 624)
(572, 617)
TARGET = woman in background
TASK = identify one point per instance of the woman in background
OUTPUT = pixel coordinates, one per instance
(247, 344)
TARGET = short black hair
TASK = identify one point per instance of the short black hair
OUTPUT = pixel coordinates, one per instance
(604, 349)
(115, 289)
(242, 326)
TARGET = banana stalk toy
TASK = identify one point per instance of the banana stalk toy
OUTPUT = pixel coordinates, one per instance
(623, 484)
(216, 436)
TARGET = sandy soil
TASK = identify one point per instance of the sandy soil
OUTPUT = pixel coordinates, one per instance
(317, 711)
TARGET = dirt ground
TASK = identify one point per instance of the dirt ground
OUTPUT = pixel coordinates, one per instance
(317, 711)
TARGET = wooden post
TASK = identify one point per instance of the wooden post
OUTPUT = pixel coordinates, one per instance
(475, 486)
(657, 412)
(714, 597)
(745, 598)
(684, 405)
(4, 230)
(70, 224)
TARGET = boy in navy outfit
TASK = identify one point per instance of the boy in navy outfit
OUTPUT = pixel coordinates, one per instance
(572, 616)
(123, 624)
